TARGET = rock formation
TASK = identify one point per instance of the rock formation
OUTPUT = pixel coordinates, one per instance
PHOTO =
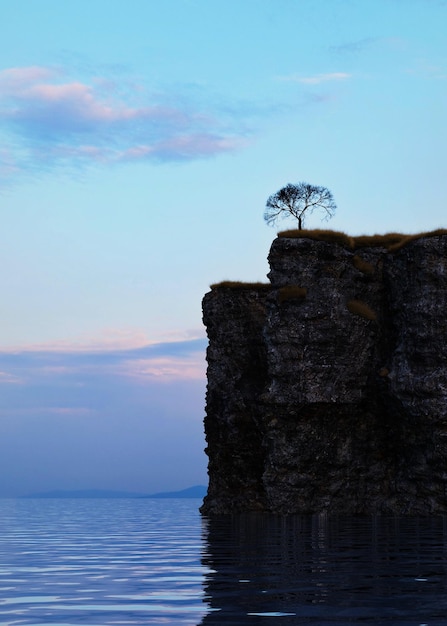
(327, 388)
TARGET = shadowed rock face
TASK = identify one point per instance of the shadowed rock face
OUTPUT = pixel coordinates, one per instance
(328, 392)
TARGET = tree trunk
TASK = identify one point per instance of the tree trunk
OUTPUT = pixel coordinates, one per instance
(300, 224)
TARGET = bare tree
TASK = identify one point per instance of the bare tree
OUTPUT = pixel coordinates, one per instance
(298, 201)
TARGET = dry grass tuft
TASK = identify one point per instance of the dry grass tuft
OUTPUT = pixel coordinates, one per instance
(358, 307)
(331, 236)
(291, 292)
(407, 238)
(362, 265)
(389, 241)
(377, 241)
(236, 284)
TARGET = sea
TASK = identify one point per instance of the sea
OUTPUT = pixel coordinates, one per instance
(67, 562)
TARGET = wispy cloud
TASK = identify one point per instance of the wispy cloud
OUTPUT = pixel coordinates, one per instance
(110, 340)
(316, 79)
(76, 364)
(360, 46)
(428, 70)
(189, 367)
(9, 379)
(123, 416)
(355, 47)
(49, 118)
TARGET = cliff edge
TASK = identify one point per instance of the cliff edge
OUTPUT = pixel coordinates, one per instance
(327, 388)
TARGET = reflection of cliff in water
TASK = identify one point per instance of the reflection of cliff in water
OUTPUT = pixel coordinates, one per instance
(324, 570)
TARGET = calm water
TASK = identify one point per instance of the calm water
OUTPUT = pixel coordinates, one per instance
(91, 562)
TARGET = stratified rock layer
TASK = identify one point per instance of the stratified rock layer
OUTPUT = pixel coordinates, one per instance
(328, 390)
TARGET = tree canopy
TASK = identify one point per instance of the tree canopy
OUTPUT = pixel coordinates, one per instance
(298, 201)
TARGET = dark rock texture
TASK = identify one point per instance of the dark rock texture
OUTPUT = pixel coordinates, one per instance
(327, 391)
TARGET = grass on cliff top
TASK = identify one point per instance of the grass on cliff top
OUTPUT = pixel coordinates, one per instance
(236, 284)
(390, 241)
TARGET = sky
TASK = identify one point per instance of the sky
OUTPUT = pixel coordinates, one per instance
(139, 142)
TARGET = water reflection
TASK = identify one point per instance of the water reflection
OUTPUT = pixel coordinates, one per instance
(323, 570)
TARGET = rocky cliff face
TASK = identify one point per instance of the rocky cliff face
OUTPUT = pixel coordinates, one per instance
(327, 389)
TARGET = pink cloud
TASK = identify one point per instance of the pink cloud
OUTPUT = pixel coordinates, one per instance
(54, 121)
(109, 340)
(166, 369)
(184, 147)
(70, 108)
(115, 354)
(66, 152)
(66, 411)
(202, 144)
(79, 101)
(12, 79)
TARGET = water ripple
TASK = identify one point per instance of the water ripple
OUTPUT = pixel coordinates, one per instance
(104, 561)
(127, 562)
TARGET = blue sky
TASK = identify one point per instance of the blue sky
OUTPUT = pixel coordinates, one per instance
(139, 142)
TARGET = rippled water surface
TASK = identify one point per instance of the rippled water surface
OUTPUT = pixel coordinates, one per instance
(100, 562)
(92, 562)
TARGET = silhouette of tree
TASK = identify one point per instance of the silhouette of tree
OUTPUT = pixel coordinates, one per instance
(299, 201)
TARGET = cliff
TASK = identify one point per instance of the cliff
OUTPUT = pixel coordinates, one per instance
(327, 388)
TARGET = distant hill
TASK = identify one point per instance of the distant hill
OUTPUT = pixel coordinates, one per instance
(197, 491)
